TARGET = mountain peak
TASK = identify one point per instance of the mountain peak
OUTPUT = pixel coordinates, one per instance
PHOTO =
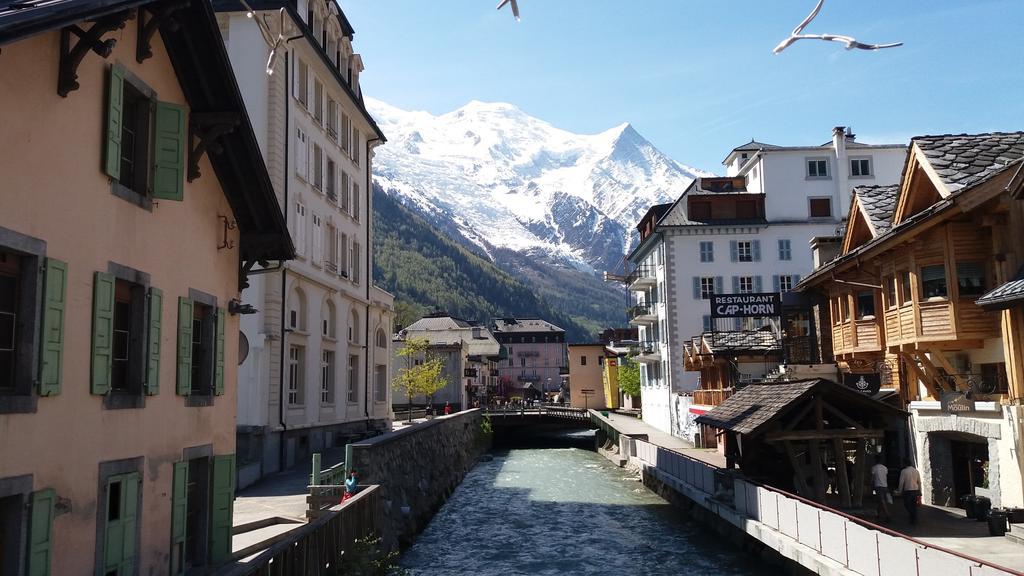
(481, 106)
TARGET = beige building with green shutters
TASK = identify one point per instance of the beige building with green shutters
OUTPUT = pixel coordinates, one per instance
(134, 199)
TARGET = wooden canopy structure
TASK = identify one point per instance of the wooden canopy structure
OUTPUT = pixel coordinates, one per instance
(788, 434)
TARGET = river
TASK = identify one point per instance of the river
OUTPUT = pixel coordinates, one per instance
(563, 511)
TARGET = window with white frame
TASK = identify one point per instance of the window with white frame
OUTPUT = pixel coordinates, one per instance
(355, 201)
(860, 167)
(346, 134)
(327, 377)
(380, 378)
(356, 259)
(332, 119)
(786, 283)
(331, 242)
(785, 250)
(318, 100)
(353, 379)
(746, 284)
(355, 145)
(332, 177)
(744, 251)
(817, 168)
(346, 186)
(343, 256)
(299, 229)
(295, 377)
(707, 287)
(318, 239)
(318, 167)
(302, 83)
(301, 154)
(707, 251)
(327, 323)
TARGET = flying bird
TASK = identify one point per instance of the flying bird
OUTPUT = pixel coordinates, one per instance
(849, 41)
(515, 7)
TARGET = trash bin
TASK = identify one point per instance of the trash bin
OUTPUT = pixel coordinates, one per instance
(982, 507)
(970, 503)
(998, 522)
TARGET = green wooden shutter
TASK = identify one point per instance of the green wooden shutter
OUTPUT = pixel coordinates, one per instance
(156, 300)
(119, 534)
(169, 151)
(40, 532)
(179, 509)
(115, 119)
(218, 371)
(55, 282)
(184, 346)
(223, 507)
(102, 331)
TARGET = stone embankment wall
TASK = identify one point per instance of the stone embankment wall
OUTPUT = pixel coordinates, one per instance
(418, 467)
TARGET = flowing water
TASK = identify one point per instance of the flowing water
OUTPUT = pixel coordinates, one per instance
(563, 511)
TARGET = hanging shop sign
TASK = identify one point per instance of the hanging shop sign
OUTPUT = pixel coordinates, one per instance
(867, 383)
(746, 305)
(955, 402)
(469, 372)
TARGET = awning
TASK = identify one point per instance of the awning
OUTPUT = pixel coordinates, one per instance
(1008, 295)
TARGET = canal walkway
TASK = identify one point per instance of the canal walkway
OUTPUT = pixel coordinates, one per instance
(943, 527)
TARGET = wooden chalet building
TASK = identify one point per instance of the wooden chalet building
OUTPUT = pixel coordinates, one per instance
(927, 294)
(134, 202)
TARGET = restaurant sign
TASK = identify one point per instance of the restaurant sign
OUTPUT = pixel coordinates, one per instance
(746, 305)
(956, 402)
(867, 383)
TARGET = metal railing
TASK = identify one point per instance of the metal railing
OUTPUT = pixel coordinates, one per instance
(564, 412)
(634, 312)
(318, 548)
(856, 544)
(642, 271)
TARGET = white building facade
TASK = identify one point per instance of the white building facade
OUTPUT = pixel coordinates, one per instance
(747, 232)
(318, 368)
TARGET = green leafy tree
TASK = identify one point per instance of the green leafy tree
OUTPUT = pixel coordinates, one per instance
(424, 378)
(629, 378)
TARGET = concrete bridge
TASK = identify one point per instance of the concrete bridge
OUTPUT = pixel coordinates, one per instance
(543, 416)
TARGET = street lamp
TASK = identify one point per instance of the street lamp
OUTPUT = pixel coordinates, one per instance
(546, 386)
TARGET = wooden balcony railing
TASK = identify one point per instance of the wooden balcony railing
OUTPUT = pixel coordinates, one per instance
(712, 397)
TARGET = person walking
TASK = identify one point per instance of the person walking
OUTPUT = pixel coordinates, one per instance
(447, 409)
(880, 485)
(910, 489)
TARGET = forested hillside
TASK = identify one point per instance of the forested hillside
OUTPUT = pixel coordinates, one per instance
(427, 271)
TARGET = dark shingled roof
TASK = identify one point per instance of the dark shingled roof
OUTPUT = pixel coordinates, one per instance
(965, 159)
(742, 341)
(879, 203)
(755, 405)
(1006, 296)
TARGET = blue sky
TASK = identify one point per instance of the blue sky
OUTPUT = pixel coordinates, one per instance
(698, 78)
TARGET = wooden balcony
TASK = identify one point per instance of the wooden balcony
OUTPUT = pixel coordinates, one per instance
(712, 397)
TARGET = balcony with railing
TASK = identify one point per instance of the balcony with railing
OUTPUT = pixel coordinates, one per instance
(712, 397)
(641, 277)
(647, 351)
(642, 314)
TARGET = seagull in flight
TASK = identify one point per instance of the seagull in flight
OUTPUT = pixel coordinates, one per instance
(849, 41)
(515, 7)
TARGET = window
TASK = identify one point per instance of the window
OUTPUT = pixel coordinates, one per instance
(327, 323)
(332, 119)
(844, 307)
(299, 229)
(708, 326)
(785, 251)
(332, 185)
(820, 207)
(993, 378)
(346, 133)
(707, 251)
(744, 251)
(700, 211)
(355, 201)
(296, 355)
(318, 101)
(786, 283)
(343, 256)
(746, 284)
(353, 327)
(10, 300)
(356, 260)
(302, 84)
(318, 167)
(380, 383)
(817, 168)
(318, 239)
(144, 153)
(120, 523)
(890, 287)
(906, 297)
(127, 362)
(933, 281)
(200, 342)
(382, 338)
(970, 278)
(301, 154)
(707, 287)
(355, 145)
(203, 325)
(583, 360)
(327, 377)
(297, 310)
(331, 261)
(865, 305)
(353, 379)
(860, 167)
(345, 188)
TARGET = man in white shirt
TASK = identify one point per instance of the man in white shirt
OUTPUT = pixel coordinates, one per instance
(910, 489)
(880, 485)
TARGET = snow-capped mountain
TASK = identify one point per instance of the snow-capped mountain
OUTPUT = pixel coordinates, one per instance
(508, 180)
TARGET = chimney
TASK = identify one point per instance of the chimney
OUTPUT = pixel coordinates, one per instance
(841, 172)
(824, 249)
